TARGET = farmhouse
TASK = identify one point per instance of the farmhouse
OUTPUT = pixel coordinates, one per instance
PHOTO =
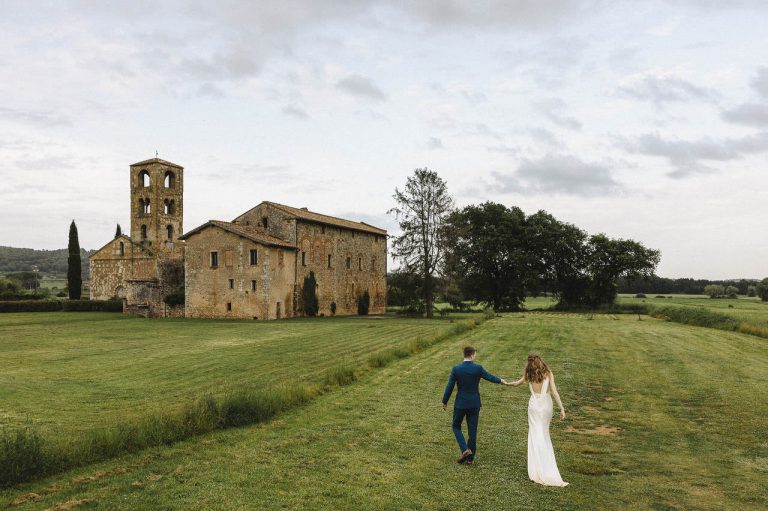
(252, 267)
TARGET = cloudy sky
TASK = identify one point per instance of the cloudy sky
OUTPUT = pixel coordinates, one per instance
(643, 119)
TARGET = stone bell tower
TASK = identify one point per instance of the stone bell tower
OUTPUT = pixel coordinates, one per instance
(157, 206)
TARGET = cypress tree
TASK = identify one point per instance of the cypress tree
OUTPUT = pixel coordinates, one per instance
(74, 267)
(309, 295)
(118, 232)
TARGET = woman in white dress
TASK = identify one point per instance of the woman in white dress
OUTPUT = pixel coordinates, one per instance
(542, 467)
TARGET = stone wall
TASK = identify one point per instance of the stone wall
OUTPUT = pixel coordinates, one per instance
(208, 288)
(279, 223)
(346, 264)
(110, 270)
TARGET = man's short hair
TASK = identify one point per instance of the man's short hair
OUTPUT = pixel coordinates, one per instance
(469, 351)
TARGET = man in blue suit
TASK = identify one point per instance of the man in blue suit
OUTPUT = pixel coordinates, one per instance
(467, 404)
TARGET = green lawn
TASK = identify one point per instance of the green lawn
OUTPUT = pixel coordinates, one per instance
(69, 372)
(661, 416)
(748, 309)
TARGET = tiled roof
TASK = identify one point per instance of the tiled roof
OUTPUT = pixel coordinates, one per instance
(311, 216)
(156, 160)
(246, 231)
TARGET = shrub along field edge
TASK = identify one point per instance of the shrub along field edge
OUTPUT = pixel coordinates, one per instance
(26, 455)
(694, 316)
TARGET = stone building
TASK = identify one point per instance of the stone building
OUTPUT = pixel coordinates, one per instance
(147, 265)
(252, 267)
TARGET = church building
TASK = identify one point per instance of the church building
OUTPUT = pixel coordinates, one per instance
(252, 267)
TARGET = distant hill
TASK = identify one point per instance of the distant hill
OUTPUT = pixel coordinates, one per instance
(47, 262)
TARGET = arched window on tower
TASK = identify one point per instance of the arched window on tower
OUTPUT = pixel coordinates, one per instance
(141, 207)
(144, 179)
(170, 179)
(147, 209)
(168, 206)
(169, 229)
(143, 232)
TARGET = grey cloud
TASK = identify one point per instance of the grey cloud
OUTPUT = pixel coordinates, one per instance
(435, 143)
(665, 89)
(558, 174)
(210, 90)
(754, 114)
(522, 14)
(361, 86)
(685, 156)
(35, 117)
(480, 129)
(295, 111)
(760, 82)
(552, 109)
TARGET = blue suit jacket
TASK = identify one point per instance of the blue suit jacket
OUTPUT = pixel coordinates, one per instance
(467, 376)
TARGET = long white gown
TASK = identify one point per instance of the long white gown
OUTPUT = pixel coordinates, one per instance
(542, 467)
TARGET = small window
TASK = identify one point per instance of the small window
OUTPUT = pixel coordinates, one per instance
(254, 257)
(214, 259)
(359, 263)
(265, 222)
(303, 258)
(168, 207)
(147, 208)
(349, 262)
(373, 264)
(170, 180)
(253, 285)
(330, 258)
(231, 283)
(122, 249)
(229, 306)
(143, 232)
(169, 230)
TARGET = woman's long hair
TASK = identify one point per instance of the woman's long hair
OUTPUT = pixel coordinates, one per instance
(535, 370)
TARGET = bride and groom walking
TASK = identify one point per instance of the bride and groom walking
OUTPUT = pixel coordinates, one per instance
(542, 467)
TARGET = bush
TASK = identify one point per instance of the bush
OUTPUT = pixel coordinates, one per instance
(92, 305)
(175, 298)
(488, 313)
(309, 300)
(363, 304)
(340, 376)
(697, 316)
(21, 457)
(31, 306)
(660, 296)
(641, 295)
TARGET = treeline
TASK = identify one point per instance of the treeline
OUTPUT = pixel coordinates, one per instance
(497, 255)
(48, 262)
(662, 285)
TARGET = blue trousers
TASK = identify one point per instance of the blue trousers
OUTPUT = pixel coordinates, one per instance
(472, 415)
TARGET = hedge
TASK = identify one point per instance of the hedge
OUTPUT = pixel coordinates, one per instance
(62, 305)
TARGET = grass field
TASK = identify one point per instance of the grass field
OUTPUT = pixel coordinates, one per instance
(743, 308)
(68, 372)
(661, 416)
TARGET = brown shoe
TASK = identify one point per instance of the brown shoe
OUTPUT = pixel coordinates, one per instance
(469, 463)
(463, 458)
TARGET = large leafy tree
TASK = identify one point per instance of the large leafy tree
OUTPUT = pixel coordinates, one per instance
(421, 210)
(607, 260)
(487, 253)
(762, 289)
(74, 275)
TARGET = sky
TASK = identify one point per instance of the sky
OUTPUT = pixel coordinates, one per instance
(645, 119)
